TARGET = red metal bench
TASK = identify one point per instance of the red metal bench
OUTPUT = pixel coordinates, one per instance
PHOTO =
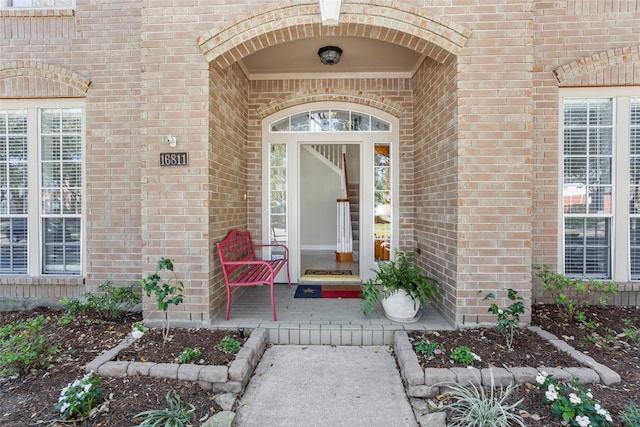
(241, 267)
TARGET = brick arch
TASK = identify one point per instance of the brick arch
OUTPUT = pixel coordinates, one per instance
(384, 20)
(355, 97)
(619, 66)
(31, 79)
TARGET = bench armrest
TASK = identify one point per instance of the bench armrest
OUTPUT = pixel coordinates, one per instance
(286, 249)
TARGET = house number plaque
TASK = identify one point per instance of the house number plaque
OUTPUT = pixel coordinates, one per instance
(173, 159)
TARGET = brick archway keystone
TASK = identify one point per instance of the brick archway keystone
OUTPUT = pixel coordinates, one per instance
(354, 97)
(284, 21)
(33, 79)
(619, 66)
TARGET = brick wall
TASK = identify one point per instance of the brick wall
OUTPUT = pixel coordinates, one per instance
(492, 155)
(228, 167)
(479, 128)
(93, 52)
(576, 43)
(176, 201)
(436, 182)
(364, 91)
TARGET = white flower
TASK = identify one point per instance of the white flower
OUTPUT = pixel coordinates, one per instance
(551, 394)
(589, 395)
(574, 399)
(87, 387)
(583, 421)
(500, 311)
(541, 377)
(137, 333)
(602, 412)
(64, 407)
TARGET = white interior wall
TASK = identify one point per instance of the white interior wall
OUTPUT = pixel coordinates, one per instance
(319, 189)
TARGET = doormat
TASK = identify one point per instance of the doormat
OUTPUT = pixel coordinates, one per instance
(328, 273)
(327, 291)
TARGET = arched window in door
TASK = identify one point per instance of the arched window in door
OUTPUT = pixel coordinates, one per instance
(330, 120)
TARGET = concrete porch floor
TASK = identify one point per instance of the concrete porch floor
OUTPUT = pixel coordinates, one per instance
(321, 321)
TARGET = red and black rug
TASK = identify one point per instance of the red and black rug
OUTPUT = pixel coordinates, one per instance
(327, 291)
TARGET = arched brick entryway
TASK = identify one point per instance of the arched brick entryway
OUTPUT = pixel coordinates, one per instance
(391, 22)
(438, 39)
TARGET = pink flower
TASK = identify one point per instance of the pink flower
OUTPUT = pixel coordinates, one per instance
(437, 351)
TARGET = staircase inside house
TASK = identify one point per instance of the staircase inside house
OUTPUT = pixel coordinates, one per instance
(334, 156)
(354, 205)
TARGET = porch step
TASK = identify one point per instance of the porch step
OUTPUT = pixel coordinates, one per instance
(317, 321)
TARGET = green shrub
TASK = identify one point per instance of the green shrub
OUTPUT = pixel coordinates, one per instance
(398, 274)
(229, 345)
(188, 355)
(429, 348)
(463, 355)
(571, 293)
(630, 416)
(23, 346)
(178, 414)
(167, 291)
(508, 318)
(572, 404)
(631, 331)
(109, 303)
(472, 407)
(77, 399)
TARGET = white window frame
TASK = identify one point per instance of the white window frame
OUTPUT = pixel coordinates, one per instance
(620, 245)
(35, 241)
(28, 4)
(366, 140)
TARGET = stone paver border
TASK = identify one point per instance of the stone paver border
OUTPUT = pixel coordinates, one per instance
(431, 382)
(228, 379)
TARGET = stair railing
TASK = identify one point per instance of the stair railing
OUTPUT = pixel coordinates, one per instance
(344, 250)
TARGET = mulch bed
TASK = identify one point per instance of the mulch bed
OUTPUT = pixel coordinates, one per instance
(28, 400)
(528, 349)
(599, 336)
(152, 348)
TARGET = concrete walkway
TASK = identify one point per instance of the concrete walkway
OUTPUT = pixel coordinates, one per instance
(307, 386)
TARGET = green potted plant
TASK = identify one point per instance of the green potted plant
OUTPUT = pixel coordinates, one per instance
(402, 288)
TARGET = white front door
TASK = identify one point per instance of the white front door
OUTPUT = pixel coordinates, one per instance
(284, 136)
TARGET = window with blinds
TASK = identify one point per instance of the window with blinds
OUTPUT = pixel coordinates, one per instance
(41, 186)
(634, 188)
(61, 188)
(13, 191)
(588, 146)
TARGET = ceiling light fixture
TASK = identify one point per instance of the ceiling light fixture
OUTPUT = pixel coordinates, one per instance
(330, 55)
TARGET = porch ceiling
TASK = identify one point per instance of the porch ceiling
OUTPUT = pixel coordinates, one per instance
(361, 55)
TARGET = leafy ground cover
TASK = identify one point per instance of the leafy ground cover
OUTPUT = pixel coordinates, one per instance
(608, 334)
(28, 397)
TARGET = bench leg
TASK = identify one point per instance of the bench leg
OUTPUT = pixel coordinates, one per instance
(288, 276)
(273, 303)
(228, 301)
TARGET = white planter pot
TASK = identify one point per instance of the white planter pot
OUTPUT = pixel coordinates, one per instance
(400, 307)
